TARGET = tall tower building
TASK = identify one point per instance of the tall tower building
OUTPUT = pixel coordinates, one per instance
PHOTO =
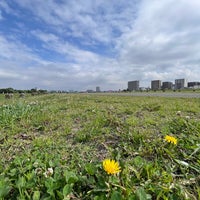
(156, 84)
(180, 83)
(167, 85)
(98, 89)
(133, 85)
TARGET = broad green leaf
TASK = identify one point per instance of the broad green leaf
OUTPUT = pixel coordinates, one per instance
(116, 196)
(139, 161)
(67, 189)
(36, 195)
(21, 182)
(141, 194)
(51, 186)
(90, 168)
(4, 188)
(13, 172)
(101, 197)
(70, 177)
(59, 194)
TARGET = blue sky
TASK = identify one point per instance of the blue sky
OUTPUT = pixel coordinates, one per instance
(78, 45)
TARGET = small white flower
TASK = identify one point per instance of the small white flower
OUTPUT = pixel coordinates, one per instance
(38, 171)
(49, 172)
(35, 164)
(45, 174)
(187, 117)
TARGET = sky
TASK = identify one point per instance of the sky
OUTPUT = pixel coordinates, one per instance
(78, 45)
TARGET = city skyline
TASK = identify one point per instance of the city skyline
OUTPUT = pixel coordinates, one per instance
(159, 84)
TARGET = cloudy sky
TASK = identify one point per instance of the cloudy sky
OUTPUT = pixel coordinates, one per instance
(81, 44)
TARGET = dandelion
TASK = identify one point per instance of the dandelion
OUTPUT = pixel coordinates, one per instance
(111, 166)
(171, 139)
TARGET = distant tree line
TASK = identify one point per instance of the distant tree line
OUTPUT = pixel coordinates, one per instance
(11, 90)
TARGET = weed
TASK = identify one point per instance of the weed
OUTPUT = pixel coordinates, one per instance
(55, 146)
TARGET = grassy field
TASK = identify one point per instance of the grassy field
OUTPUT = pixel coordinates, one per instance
(53, 147)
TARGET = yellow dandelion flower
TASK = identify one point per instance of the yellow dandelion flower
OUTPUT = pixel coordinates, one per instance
(171, 139)
(111, 166)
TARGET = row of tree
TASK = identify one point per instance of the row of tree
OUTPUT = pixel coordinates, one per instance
(11, 90)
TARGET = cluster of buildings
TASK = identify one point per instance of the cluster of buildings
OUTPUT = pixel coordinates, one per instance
(159, 85)
(92, 91)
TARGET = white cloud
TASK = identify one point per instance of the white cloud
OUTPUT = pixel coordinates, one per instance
(21, 68)
(17, 52)
(4, 6)
(45, 37)
(57, 44)
(105, 43)
(163, 38)
(5, 74)
(93, 19)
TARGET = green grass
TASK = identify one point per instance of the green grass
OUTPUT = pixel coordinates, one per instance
(72, 134)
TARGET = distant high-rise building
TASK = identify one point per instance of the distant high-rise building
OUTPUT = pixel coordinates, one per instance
(167, 85)
(98, 89)
(156, 84)
(194, 84)
(90, 91)
(133, 85)
(180, 83)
